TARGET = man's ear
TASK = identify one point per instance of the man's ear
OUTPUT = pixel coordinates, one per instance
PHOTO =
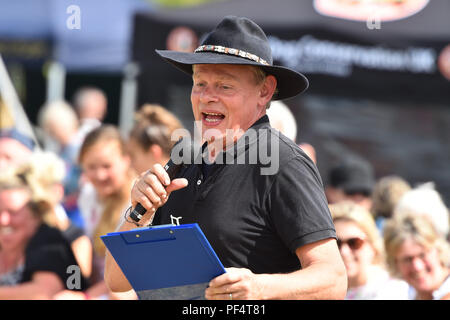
(268, 89)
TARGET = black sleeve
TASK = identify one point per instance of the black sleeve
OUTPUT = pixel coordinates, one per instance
(298, 206)
(72, 233)
(52, 258)
(49, 251)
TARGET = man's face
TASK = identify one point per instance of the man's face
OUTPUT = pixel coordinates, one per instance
(228, 97)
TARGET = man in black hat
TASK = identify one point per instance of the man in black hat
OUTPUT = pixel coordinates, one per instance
(270, 228)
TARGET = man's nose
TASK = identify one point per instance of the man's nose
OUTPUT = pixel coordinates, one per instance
(208, 94)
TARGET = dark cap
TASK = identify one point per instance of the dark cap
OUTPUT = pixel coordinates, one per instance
(12, 133)
(353, 176)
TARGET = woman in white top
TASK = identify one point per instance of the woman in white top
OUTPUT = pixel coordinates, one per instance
(107, 168)
(361, 248)
(419, 254)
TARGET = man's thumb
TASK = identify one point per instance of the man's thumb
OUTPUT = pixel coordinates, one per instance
(176, 184)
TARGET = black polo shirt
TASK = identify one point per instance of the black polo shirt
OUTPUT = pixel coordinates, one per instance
(255, 210)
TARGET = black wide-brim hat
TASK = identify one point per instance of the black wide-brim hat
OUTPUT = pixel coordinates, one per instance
(239, 41)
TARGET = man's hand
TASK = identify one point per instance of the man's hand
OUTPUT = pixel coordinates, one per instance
(236, 284)
(153, 187)
(323, 277)
(151, 190)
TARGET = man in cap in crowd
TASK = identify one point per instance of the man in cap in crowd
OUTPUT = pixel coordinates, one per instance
(272, 229)
(15, 147)
(351, 179)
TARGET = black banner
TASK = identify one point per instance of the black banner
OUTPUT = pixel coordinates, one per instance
(408, 58)
(379, 78)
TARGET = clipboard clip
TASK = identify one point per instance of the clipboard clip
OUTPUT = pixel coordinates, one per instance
(137, 236)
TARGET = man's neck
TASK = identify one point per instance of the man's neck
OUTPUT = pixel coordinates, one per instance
(216, 146)
(226, 141)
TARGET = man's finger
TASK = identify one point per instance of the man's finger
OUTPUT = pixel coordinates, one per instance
(141, 198)
(177, 184)
(153, 181)
(162, 174)
(151, 194)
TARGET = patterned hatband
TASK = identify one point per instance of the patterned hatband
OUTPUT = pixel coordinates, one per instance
(231, 51)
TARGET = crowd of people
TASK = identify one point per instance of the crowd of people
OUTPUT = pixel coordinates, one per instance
(57, 201)
(394, 238)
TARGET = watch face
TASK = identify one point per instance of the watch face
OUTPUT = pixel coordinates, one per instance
(363, 10)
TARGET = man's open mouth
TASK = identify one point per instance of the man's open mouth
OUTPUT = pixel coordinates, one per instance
(212, 117)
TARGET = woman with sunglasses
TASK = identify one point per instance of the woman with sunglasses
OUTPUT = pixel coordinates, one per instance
(361, 248)
(419, 254)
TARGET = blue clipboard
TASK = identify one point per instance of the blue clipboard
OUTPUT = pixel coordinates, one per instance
(165, 262)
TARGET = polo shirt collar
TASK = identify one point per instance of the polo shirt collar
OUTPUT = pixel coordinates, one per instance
(247, 139)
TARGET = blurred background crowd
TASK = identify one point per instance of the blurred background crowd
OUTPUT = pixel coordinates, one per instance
(86, 106)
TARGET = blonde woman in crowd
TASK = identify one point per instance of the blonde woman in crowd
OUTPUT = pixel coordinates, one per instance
(151, 140)
(102, 201)
(361, 248)
(425, 200)
(44, 173)
(417, 253)
(34, 257)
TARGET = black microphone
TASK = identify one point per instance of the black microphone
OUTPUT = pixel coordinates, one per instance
(172, 168)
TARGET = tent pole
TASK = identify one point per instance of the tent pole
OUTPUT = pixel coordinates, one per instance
(128, 98)
(11, 101)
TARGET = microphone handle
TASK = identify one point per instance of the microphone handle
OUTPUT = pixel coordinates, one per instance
(171, 169)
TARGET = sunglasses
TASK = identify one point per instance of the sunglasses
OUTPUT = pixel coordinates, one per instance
(353, 243)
